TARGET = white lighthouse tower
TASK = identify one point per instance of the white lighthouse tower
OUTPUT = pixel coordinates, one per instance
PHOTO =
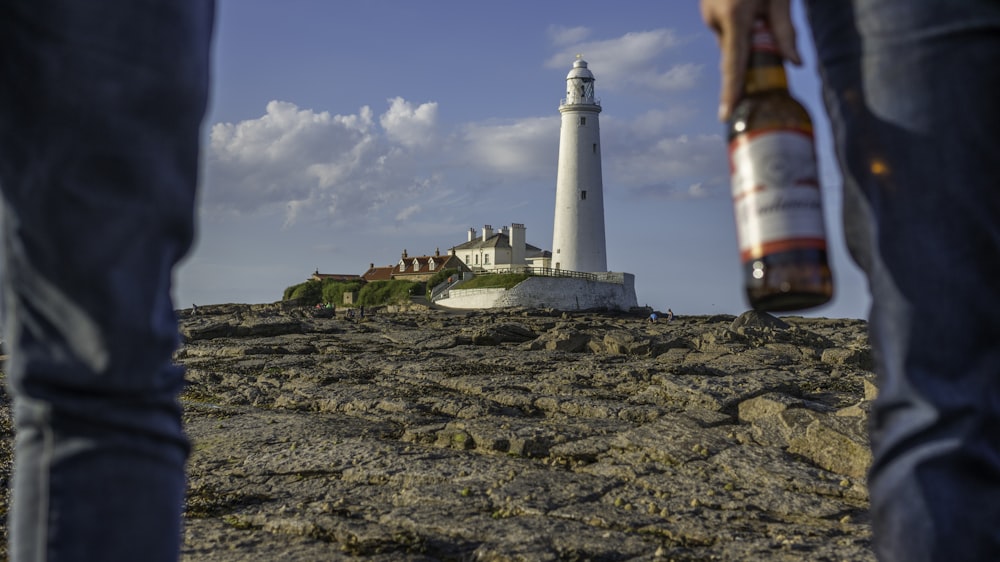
(578, 242)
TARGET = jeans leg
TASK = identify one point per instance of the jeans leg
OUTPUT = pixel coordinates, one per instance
(913, 92)
(100, 119)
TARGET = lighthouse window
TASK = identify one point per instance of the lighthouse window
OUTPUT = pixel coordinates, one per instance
(595, 148)
(583, 120)
(583, 194)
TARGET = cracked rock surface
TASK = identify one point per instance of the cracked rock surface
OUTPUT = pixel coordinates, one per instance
(532, 435)
(524, 435)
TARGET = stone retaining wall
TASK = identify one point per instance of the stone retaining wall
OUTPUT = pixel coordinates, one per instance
(560, 293)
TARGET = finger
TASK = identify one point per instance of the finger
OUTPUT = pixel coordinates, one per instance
(734, 43)
(780, 18)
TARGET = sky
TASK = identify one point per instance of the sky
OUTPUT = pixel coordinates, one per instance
(340, 134)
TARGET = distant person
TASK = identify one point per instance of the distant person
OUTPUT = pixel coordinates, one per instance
(652, 318)
(670, 316)
(912, 89)
(100, 123)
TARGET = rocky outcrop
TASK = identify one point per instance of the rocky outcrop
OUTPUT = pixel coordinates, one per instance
(523, 435)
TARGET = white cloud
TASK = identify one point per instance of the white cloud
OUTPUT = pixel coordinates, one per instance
(634, 60)
(659, 122)
(525, 148)
(408, 212)
(313, 164)
(667, 166)
(561, 35)
(307, 165)
(409, 125)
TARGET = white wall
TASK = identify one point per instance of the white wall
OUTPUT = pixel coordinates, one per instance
(472, 298)
(561, 293)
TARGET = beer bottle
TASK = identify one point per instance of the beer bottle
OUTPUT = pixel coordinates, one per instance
(775, 187)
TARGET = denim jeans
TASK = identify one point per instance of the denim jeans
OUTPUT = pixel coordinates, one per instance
(100, 121)
(912, 88)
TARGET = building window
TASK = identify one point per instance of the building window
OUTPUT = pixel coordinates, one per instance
(477, 259)
(402, 265)
(583, 121)
(468, 258)
(486, 259)
(583, 195)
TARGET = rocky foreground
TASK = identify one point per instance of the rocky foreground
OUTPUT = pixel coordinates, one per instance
(521, 435)
(524, 435)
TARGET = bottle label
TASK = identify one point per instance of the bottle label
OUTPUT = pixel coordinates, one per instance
(776, 193)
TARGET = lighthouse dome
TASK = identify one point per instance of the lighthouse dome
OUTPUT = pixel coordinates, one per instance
(580, 70)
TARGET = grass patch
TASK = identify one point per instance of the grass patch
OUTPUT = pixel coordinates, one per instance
(494, 280)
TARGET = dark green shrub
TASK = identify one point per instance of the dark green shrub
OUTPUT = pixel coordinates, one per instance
(376, 293)
(333, 291)
(310, 292)
(379, 293)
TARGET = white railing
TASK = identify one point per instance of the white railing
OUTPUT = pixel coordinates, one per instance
(579, 101)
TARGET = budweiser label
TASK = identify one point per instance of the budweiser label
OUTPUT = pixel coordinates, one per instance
(776, 194)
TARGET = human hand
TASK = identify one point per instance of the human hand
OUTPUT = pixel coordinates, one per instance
(732, 22)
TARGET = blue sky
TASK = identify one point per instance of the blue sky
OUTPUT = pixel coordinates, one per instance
(341, 133)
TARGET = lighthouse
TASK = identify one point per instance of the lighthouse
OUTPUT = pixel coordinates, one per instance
(578, 242)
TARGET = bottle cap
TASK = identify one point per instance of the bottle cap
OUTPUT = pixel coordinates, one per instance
(763, 40)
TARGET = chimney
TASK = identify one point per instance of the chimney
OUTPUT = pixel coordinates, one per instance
(404, 253)
(487, 231)
(517, 244)
(371, 265)
(437, 252)
(472, 234)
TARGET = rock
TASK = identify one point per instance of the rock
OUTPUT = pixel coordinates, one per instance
(622, 342)
(836, 444)
(756, 320)
(528, 434)
(561, 339)
(502, 333)
(861, 358)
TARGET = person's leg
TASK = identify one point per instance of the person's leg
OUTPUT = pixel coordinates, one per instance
(100, 118)
(913, 92)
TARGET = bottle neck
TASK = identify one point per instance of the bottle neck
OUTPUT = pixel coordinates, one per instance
(766, 70)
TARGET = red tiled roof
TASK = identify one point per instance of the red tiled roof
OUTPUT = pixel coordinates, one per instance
(378, 273)
(441, 262)
(335, 276)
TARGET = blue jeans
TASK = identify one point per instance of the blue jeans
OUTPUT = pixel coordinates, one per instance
(912, 88)
(100, 121)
